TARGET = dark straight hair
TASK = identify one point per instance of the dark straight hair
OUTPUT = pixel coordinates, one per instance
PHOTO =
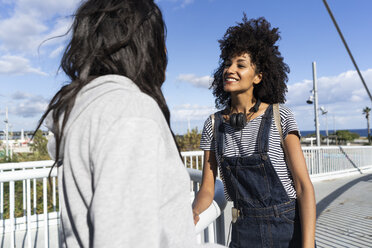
(124, 37)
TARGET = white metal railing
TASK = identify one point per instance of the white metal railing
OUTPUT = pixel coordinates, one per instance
(23, 215)
(28, 174)
(327, 160)
(193, 159)
(320, 161)
(210, 228)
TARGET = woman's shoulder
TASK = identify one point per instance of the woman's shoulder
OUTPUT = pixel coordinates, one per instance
(288, 120)
(285, 112)
(208, 122)
(283, 108)
(212, 116)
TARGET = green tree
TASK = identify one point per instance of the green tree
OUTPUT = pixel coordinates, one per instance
(190, 141)
(366, 111)
(346, 135)
(39, 146)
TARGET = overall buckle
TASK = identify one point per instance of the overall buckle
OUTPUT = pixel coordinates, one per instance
(235, 213)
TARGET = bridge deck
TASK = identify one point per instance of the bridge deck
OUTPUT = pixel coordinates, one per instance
(344, 211)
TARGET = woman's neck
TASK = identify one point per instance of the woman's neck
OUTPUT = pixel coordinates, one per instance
(242, 103)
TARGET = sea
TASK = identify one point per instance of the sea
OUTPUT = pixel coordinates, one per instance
(361, 132)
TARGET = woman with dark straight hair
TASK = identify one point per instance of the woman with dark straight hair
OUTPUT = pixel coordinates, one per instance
(121, 179)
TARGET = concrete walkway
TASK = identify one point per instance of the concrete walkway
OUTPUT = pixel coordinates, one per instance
(344, 211)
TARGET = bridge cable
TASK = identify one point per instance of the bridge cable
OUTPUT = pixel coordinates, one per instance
(347, 48)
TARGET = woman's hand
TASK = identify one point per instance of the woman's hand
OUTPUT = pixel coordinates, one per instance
(205, 195)
(196, 217)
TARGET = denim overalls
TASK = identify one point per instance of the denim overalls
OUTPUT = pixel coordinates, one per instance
(267, 216)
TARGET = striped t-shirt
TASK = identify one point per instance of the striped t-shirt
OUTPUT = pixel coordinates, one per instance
(244, 143)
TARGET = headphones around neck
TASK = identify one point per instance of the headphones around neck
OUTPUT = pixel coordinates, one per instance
(238, 120)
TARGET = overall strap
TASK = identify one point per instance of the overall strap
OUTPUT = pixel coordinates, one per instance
(212, 120)
(280, 130)
(264, 131)
(218, 132)
(277, 121)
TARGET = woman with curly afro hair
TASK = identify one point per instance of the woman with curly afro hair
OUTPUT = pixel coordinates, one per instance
(254, 141)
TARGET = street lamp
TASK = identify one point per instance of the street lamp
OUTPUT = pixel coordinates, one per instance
(311, 98)
(325, 112)
(314, 99)
(6, 131)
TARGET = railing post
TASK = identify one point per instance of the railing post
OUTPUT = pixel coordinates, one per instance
(195, 188)
(211, 232)
(54, 194)
(24, 199)
(2, 201)
(11, 214)
(35, 197)
(45, 205)
(220, 229)
(28, 199)
(206, 235)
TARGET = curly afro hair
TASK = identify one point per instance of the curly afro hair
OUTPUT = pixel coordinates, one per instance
(257, 38)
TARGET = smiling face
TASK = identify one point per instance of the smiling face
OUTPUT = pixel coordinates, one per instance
(239, 74)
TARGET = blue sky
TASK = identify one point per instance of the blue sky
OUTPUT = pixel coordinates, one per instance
(28, 74)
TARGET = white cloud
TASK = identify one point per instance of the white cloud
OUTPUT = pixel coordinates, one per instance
(188, 116)
(56, 52)
(204, 81)
(21, 95)
(21, 33)
(58, 33)
(181, 3)
(46, 9)
(186, 2)
(191, 112)
(344, 96)
(339, 116)
(16, 65)
(345, 87)
(32, 22)
(27, 105)
(25, 109)
(33, 109)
